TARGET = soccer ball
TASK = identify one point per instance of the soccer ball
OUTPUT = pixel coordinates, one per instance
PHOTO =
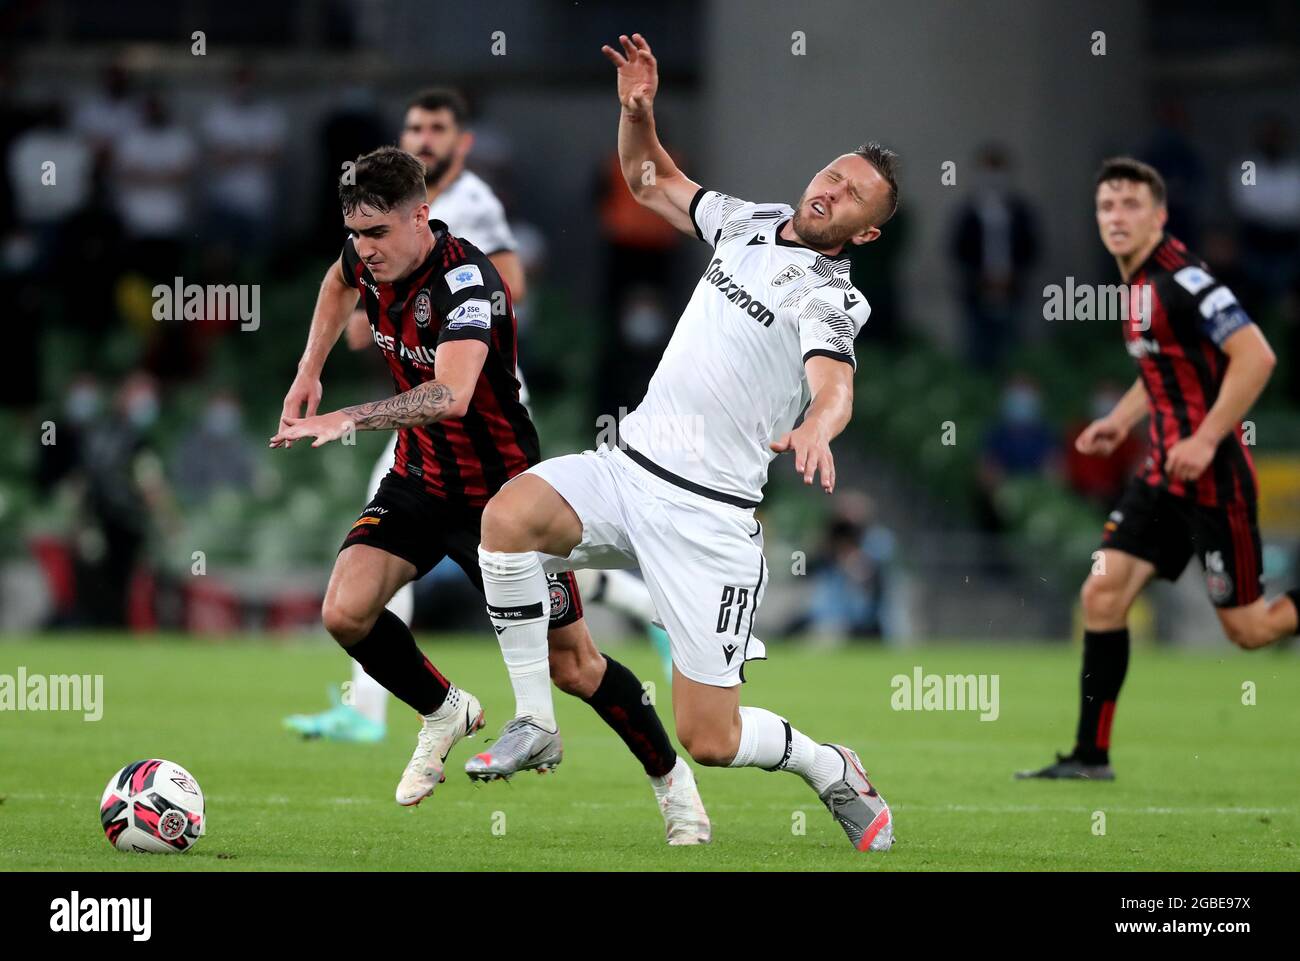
(153, 807)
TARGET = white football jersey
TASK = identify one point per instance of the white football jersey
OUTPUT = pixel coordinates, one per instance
(472, 211)
(732, 378)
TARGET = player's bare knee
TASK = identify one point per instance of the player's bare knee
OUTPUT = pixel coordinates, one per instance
(711, 753)
(567, 674)
(1102, 600)
(707, 747)
(345, 623)
(505, 525)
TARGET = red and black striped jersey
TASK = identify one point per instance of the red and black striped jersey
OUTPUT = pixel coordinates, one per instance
(1179, 317)
(455, 294)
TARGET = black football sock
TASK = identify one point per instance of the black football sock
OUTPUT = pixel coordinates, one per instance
(620, 702)
(1295, 599)
(1105, 662)
(390, 655)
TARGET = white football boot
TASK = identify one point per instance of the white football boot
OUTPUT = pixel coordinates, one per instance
(679, 799)
(459, 717)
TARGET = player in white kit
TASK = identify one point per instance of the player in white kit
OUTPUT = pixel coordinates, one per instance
(767, 335)
(435, 131)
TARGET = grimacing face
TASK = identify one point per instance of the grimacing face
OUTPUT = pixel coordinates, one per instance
(841, 203)
(1128, 217)
(435, 138)
(391, 243)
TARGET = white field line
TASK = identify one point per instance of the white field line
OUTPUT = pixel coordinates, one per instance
(314, 801)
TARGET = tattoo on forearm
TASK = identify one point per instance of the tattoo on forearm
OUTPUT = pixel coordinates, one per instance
(424, 404)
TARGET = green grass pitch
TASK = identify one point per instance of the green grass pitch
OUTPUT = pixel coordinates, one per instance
(1205, 782)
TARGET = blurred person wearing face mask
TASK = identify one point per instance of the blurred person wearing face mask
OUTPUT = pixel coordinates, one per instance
(629, 357)
(848, 578)
(1020, 443)
(125, 494)
(61, 456)
(218, 455)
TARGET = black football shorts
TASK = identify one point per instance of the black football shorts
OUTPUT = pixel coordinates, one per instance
(1156, 526)
(405, 520)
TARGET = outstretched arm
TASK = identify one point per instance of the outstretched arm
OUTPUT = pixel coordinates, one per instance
(456, 372)
(651, 175)
(831, 383)
(334, 305)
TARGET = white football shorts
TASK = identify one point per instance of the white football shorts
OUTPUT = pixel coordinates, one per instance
(702, 559)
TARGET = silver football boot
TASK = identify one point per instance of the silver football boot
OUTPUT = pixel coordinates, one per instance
(522, 745)
(861, 811)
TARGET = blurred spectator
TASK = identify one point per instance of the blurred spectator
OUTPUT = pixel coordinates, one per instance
(874, 269)
(352, 128)
(642, 330)
(15, 117)
(82, 405)
(994, 246)
(124, 495)
(1020, 443)
(849, 575)
(216, 455)
(639, 247)
(1102, 479)
(1170, 150)
(90, 249)
(21, 254)
(51, 169)
(243, 141)
(1222, 253)
(104, 117)
(152, 168)
(1268, 211)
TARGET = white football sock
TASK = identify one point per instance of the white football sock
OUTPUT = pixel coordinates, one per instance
(450, 706)
(827, 768)
(765, 739)
(519, 604)
(369, 697)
